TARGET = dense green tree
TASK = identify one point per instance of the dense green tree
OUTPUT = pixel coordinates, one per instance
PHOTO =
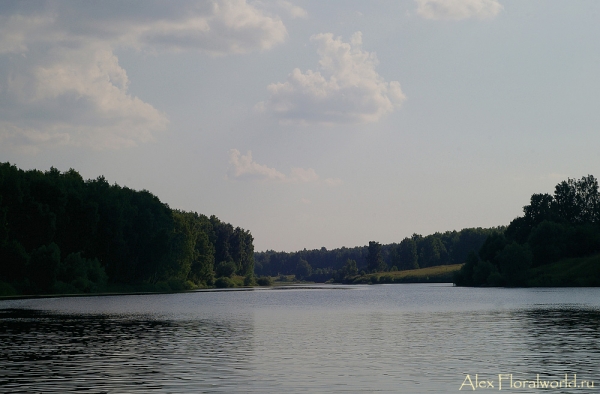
(350, 268)
(548, 242)
(328, 263)
(406, 256)
(130, 235)
(432, 252)
(3, 224)
(513, 262)
(466, 241)
(79, 275)
(225, 269)
(492, 246)
(222, 234)
(13, 262)
(242, 251)
(552, 228)
(464, 276)
(303, 269)
(375, 261)
(578, 201)
(43, 267)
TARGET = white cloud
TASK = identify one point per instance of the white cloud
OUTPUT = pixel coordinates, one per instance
(73, 96)
(293, 10)
(216, 27)
(345, 89)
(303, 175)
(61, 83)
(458, 9)
(333, 181)
(243, 167)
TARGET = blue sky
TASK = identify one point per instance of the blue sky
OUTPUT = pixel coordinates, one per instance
(309, 123)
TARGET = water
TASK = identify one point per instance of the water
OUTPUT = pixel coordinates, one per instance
(415, 338)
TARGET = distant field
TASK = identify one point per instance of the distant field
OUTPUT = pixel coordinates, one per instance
(438, 274)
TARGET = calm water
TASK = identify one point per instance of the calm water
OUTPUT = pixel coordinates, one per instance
(388, 338)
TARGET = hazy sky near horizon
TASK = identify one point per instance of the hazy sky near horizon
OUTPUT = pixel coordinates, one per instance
(309, 123)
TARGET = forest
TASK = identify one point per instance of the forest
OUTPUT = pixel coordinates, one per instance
(555, 243)
(417, 251)
(62, 234)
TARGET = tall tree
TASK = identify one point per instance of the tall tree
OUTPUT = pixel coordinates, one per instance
(375, 261)
(406, 254)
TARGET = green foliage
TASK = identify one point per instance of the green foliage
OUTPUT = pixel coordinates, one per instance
(438, 274)
(464, 277)
(43, 267)
(405, 256)
(449, 248)
(553, 229)
(492, 245)
(482, 272)
(582, 271)
(513, 262)
(224, 282)
(578, 201)
(79, 275)
(548, 242)
(225, 269)
(128, 237)
(303, 269)
(375, 261)
(249, 280)
(264, 281)
(7, 290)
(350, 268)
(433, 252)
(13, 261)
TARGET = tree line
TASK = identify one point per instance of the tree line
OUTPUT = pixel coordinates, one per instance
(553, 228)
(61, 234)
(417, 251)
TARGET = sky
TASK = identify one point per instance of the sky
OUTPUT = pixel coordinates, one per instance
(309, 123)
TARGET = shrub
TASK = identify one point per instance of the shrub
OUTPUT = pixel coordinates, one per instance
(249, 280)
(7, 290)
(225, 269)
(386, 279)
(264, 281)
(224, 282)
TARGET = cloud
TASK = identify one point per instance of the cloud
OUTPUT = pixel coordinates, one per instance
(216, 27)
(303, 175)
(74, 97)
(458, 9)
(293, 10)
(345, 89)
(243, 167)
(61, 82)
(333, 181)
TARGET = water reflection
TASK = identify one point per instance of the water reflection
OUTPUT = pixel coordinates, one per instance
(46, 352)
(408, 339)
(561, 341)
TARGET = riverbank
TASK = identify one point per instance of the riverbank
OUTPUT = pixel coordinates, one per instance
(573, 272)
(437, 274)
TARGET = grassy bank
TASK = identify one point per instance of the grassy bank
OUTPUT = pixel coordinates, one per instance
(9, 292)
(584, 271)
(438, 274)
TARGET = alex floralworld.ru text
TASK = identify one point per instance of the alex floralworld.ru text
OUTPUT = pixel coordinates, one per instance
(508, 381)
